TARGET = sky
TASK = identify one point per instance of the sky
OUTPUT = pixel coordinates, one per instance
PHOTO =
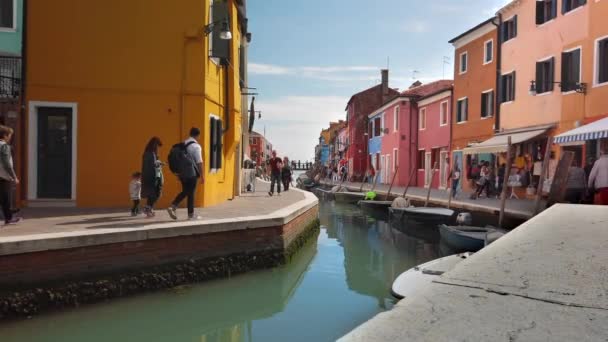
(307, 57)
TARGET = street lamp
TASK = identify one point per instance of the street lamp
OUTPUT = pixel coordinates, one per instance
(225, 33)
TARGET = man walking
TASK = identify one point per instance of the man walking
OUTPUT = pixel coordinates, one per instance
(598, 178)
(190, 170)
(275, 173)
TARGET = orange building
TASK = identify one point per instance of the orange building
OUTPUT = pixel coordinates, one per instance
(104, 77)
(474, 104)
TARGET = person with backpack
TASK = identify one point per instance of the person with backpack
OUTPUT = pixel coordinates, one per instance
(186, 162)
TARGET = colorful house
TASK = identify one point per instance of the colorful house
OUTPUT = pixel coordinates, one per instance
(432, 110)
(474, 100)
(105, 77)
(358, 108)
(257, 148)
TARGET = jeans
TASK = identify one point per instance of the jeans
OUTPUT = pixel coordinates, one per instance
(188, 189)
(455, 186)
(135, 208)
(5, 200)
(275, 178)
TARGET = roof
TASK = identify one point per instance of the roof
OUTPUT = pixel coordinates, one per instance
(429, 89)
(373, 91)
(471, 30)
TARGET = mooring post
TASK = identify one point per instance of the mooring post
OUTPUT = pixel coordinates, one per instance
(428, 193)
(503, 194)
(543, 174)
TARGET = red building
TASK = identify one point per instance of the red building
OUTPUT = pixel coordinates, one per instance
(257, 148)
(358, 108)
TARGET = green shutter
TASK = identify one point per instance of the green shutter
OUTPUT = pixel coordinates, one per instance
(219, 146)
(219, 48)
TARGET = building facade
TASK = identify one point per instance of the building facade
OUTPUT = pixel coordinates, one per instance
(474, 101)
(257, 148)
(97, 94)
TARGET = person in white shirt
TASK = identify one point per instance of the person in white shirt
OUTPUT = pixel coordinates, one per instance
(190, 178)
(135, 192)
(598, 178)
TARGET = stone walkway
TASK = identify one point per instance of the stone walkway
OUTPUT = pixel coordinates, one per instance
(518, 208)
(61, 220)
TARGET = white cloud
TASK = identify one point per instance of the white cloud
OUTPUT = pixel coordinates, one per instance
(324, 73)
(293, 123)
(267, 69)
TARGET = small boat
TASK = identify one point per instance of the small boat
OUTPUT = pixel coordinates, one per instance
(469, 238)
(413, 280)
(375, 205)
(424, 215)
(323, 193)
(349, 197)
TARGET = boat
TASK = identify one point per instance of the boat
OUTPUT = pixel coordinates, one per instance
(349, 197)
(469, 238)
(323, 193)
(424, 215)
(410, 282)
(375, 205)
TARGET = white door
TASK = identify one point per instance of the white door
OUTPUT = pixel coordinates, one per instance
(387, 169)
(443, 169)
(427, 169)
(382, 172)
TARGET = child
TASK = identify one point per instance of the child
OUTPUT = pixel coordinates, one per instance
(135, 192)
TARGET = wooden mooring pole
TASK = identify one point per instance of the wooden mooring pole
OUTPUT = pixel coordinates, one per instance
(428, 193)
(543, 174)
(392, 182)
(505, 183)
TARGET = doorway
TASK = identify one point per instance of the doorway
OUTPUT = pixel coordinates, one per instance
(52, 151)
(427, 169)
(443, 169)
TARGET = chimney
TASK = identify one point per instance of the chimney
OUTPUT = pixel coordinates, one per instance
(384, 84)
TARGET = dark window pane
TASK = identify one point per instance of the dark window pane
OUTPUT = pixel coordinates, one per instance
(6, 13)
(603, 61)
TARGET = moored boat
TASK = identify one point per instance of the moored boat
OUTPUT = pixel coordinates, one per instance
(410, 282)
(349, 197)
(424, 215)
(469, 238)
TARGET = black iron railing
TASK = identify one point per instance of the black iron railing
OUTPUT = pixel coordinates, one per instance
(10, 77)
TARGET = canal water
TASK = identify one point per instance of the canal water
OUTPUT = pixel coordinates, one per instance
(333, 284)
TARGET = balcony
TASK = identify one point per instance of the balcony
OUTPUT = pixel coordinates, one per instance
(10, 77)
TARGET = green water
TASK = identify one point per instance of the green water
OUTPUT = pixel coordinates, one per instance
(332, 285)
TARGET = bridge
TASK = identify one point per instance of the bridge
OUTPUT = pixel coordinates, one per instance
(301, 166)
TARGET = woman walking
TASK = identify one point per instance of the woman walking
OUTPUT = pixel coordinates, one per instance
(286, 174)
(7, 175)
(152, 175)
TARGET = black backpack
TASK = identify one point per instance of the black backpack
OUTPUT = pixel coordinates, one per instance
(180, 162)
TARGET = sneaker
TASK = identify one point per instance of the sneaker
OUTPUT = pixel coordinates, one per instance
(13, 221)
(194, 218)
(171, 211)
(270, 193)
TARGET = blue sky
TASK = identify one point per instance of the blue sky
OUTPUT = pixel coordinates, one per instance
(308, 57)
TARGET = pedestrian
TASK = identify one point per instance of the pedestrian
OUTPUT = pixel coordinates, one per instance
(135, 192)
(186, 161)
(275, 164)
(482, 181)
(152, 175)
(286, 174)
(589, 166)
(8, 177)
(598, 178)
(576, 185)
(500, 176)
(455, 177)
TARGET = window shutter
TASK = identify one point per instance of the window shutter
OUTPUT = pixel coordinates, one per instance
(491, 106)
(219, 146)
(466, 110)
(551, 79)
(540, 7)
(564, 6)
(515, 26)
(576, 67)
(582, 2)
(540, 82)
(603, 61)
(565, 71)
(502, 34)
(513, 87)
(553, 9)
(220, 48)
(484, 105)
(212, 142)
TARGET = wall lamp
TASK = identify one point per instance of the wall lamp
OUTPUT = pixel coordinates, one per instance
(225, 33)
(580, 88)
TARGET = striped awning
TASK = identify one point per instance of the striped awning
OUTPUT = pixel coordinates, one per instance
(592, 131)
(498, 143)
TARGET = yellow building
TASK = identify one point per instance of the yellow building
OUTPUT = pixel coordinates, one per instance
(103, 77)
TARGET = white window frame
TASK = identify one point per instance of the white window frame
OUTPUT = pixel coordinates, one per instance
(32, 165)
(580, 63)
(460, 64)
(596, 65)
(14, 27)
(493, 107)
(485, 52)
(442, 114)
(458, 106)
(396, 111)
(504, 21)
(422, 127)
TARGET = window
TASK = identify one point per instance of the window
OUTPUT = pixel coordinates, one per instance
(509, 29)
(422, 119)
(544, 75)
(377, 127)
(435, 155)
(463, 62)
(488, 52)
(507, 87)
(487, 104)
(218, 48)
(215, 142)
(421, 157)
(443, 113)
(7, 12)
(396, 119)
(602, 61)
(571, 69)
(462, 113)
(569, 5)
(545, 10)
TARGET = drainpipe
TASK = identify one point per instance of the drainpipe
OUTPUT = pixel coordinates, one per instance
(23, 109)
(498, 72)
(226, 64)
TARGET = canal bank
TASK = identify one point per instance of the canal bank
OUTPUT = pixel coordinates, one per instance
(67, 257)
(544, 281)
